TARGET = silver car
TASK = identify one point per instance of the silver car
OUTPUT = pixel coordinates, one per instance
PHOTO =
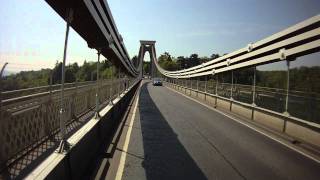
(157, 82)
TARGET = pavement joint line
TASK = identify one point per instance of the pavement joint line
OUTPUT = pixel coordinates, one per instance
(249, 126)
(127, 139)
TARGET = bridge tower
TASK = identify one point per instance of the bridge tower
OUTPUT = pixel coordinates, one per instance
(148, 46)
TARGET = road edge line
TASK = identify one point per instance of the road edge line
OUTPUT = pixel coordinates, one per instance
(127, 140)
(249, 126)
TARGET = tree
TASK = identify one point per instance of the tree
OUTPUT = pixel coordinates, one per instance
(70, 76)
(166, 62)
(193, 60)
(164, 57)
(204, 59)
(214, 56)
(56, 73)
(182, 62)
(146, 67)
(86, 72)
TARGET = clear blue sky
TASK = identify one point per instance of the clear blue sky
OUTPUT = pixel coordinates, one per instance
(32, 34)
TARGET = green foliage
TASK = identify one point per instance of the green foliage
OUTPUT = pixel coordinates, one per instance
(167, 62)
(73, 72)
(214, 56)
(272, 79)
(301, 79)
(25, 79)
(146, 67)
(305, 79)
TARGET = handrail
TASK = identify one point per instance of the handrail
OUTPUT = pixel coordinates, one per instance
(30, 118)
(292, 118)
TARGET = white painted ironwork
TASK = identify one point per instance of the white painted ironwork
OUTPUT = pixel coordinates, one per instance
(296, 40)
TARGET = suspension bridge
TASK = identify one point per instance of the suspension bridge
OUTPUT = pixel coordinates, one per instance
(201, 124)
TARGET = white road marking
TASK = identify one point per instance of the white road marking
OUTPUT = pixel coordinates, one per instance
(250, 126)
(127, 140)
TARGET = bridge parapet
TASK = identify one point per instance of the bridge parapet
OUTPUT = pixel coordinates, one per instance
(30, 117)
(85, 142)
(267, 111)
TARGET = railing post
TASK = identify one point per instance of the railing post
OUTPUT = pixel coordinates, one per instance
(205, 84)
(73, 105)
(197, 86)
(64, 145)
(254, 86)
(111, 84)
(119, 84)
(231, 93)
(185, 86)
(97, 116)
(217, 81)
(198, 83)
(287, 90)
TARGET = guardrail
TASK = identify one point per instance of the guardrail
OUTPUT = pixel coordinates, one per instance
(302, 124)
(30, 116)
(304, 106)
(86, 142)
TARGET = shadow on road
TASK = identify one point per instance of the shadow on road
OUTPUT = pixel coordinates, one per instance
(165, 156)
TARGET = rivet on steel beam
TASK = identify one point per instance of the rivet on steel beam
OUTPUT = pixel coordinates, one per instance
(282, 54)
(228, 62)
(249, 47)
(213, 72)
(110, 40)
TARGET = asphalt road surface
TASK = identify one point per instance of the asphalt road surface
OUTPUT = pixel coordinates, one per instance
(176, 138)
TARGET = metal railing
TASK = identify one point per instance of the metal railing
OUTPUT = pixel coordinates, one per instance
(301, 105)
(28, 116)
(298, 40)
(286, 46)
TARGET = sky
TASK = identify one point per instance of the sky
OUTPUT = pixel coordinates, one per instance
(32, 34)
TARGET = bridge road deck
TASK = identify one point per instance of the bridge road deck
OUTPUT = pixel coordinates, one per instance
(174, 137)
